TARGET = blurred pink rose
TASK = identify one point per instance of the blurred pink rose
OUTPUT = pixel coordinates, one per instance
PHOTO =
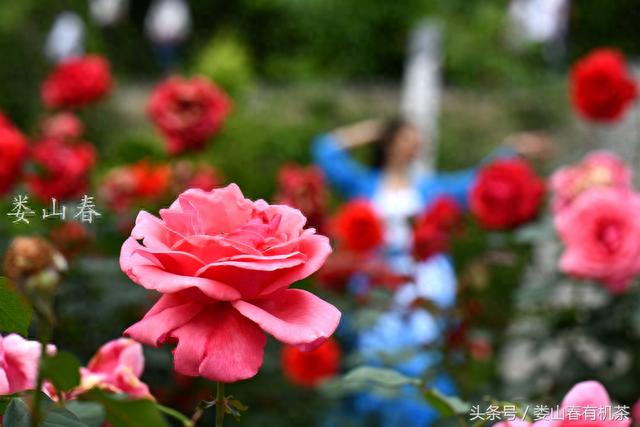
(513, 423)
(598, 169)
(224, 264)
(19, 360)
(117, 367)
(635, 412)
(585, 394)
(63, 126)
(601, 232)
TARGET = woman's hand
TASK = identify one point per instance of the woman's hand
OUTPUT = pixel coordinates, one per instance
(532, 145)
(360, 133)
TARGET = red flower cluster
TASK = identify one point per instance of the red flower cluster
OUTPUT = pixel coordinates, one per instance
(129, 185)
(13, 147)
(310, 368)
(602, 87)
(358, 227)
(304, 188)
(432, 232)
(77, 82)
(188, 112)
(507, 193)
(62, 169)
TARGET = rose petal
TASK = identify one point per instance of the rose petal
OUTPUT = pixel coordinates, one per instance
(294, 317)
(230, 207)
(255, 263)
(170, 312)
(155, 278)
(154, 232)
(317, 248)
(219, 344)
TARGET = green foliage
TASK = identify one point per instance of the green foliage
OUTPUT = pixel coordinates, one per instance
(18, 414)
(447, 406)
(15, 312)
(364, 378)
(226, 61)
(90, 413)
(122, 412)
(62, 369)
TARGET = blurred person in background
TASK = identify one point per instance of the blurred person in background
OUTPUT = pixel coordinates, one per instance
(167, 25)
(108, 13)
(399, 191)
(66, 38)
(542, 22)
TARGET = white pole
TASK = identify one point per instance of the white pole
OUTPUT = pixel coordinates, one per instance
(422, 87)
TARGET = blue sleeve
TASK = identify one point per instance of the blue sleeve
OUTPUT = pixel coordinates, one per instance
(458, 184)
(351, 178)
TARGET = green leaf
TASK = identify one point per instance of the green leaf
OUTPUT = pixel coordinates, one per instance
(60, 417)
(17, 414)
(90, 413)
(447, 406)
(234, 407)
(62, 369)
(15, 312)
(122, 412)
(5, 400)
(381, 377)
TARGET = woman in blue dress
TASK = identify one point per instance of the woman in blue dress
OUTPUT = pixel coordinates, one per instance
(399, 191)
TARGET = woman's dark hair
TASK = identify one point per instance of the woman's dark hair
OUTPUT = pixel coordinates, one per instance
(382, 146)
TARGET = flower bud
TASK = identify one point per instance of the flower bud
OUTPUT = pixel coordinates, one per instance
(33, 265)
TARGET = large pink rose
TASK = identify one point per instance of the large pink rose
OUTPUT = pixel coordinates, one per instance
(513, 423)
(117, 367)
(598, 169)
(585, 405)
(224, 264)
(19, 360)
(601, 231)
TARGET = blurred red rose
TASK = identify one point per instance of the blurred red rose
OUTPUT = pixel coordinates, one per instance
(507, 193)
(433, 229)
(602, 87)
(127, 186)
(310, 368)
(71, 238)
(480, 349)
(445, 212)
(13, 150)
(428, 240)
(188, 112)
(358, 227)
(337, 270)
(62, 169)
(63, 126)
(304, 188)
(77, 82)
(186, 174)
